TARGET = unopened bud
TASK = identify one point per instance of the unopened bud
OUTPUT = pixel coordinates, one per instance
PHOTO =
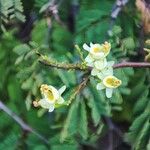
(35, 103)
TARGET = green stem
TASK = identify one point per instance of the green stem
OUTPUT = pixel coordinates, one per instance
(66, 66)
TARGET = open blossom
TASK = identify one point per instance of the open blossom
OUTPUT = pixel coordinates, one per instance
(51, 96)
(104, 71)
(96, 52)
(109, 83)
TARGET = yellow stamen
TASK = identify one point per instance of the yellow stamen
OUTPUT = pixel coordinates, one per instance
(111, 82)
(50, 95)
(45, 90)
(96, 49)
(106, 47)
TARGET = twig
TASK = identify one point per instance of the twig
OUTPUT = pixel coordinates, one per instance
(53, 10)
(23, 125)
(67, 66)
(141, 52)
(82, 67)
(111, 125)
(119, 4)
(73, 10)
(80, 87)
(111, 128)
(132, 64)
(80, 53)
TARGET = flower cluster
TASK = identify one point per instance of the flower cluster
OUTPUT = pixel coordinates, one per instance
(51, 97)
(102, 68)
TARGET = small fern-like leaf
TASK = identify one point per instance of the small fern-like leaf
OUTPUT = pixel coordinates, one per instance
(10, 9)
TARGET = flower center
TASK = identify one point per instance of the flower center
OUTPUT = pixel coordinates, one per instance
(96, 49)
(47, 92)
(50, 95)
(112, 82)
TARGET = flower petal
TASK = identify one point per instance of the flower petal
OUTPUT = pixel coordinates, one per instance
(62, 89)
(43, 103)
(109, 92)
(51, 108)
(97, 56)
(60, 100)
(108, 71)
(100, 86)
(91, 44)
(94, 72)
(100, 64)
(100, 75)
(89, 60)
(110, 63)
(86, 47)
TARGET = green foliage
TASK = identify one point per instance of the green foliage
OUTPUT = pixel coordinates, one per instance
(9, 142)
(10, 9)
(82, 122)
(138, 133)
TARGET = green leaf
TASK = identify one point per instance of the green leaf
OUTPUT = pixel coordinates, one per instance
(83, 122)
(129, 43)
(40, 147)
(19, 59)
(71, 123)
(27, 84)
(116, 30)
(143, 137)
(21, 49)
(44, 7)
(28, 102)
(116, 98)
(142, 102)
(8, 142)
(138, 133)
(68, 78)
(94, 110)
(64, 147)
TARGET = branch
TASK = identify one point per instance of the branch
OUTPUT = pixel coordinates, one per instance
(80, 87)
(132, 64)
(82, 66)
(23, 125)
(66, 66)
(111, 128)
(119, 4)
(117, 7)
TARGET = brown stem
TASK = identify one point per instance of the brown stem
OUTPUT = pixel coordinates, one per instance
(80, 87)
(23, 125)
(132, 64)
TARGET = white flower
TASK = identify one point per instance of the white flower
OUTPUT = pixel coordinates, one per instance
(109, 83)
(89, 60)
(51, 96)
(102, 70)
(97, 51)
